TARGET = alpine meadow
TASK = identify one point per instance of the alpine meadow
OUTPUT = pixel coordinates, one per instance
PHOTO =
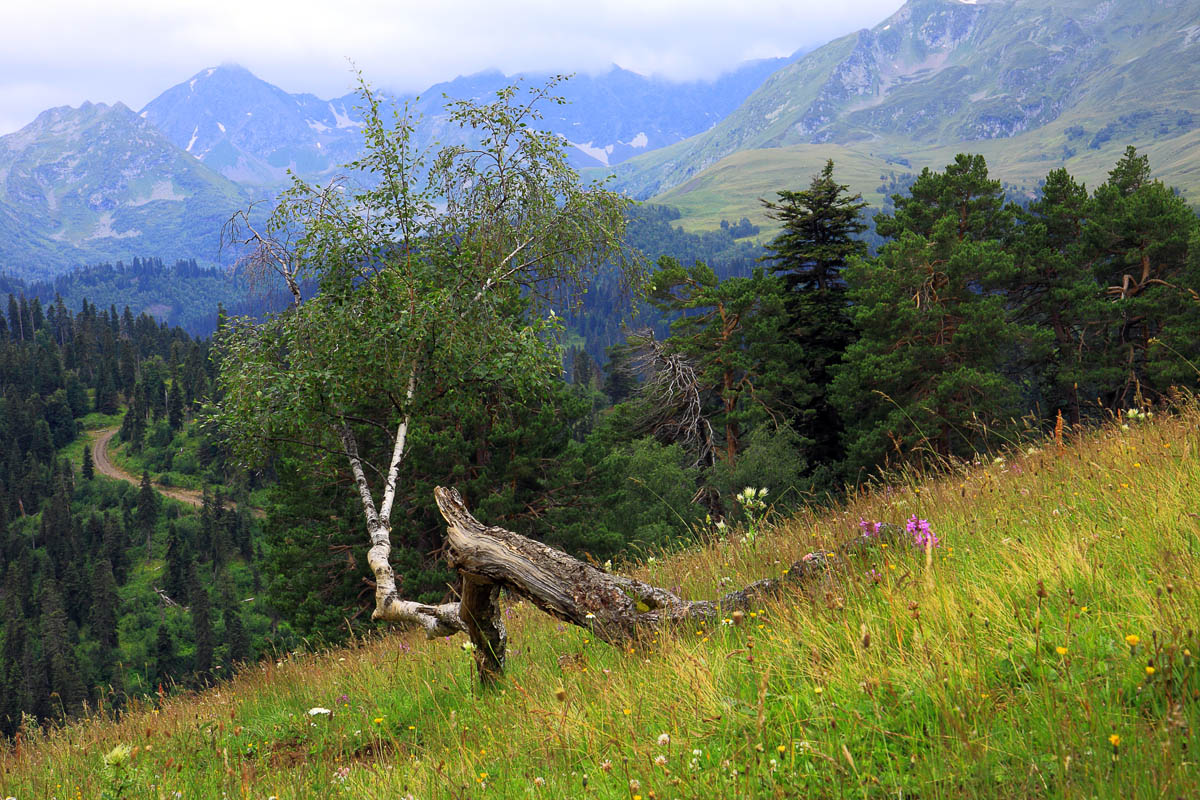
(825, 427)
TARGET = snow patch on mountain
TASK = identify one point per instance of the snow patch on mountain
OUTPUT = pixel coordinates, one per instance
(601, 154)
(103, 229)
(161, 190)
(343, 120)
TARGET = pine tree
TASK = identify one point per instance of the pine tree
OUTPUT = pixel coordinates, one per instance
(733, 332)
(1138, 233)
(937, 346)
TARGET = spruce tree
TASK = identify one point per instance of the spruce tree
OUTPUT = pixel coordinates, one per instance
(147, 510)
(175, 406)
(105, 607)
(62, 668)
(820, 236)
(88, 469)
(175, 577)
(236, 637)
(202, 631)
(164, 654)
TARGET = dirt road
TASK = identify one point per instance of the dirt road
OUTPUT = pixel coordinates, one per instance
(105, 466)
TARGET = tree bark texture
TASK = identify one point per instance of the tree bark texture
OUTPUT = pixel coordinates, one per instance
(615, 608)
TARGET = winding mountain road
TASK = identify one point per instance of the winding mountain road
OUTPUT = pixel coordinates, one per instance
(105, 466)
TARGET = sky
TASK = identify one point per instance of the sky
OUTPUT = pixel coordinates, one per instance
(63, 52)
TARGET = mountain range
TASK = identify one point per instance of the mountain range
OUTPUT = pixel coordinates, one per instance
(253, 132)
(80, 184)
(102, 183)
(1031, 84)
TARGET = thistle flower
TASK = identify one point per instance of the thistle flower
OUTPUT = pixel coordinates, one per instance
(118, 755)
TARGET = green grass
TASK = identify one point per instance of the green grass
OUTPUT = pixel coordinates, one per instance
(999, 668)
(92, 422)
(135, 464)
(732, 187)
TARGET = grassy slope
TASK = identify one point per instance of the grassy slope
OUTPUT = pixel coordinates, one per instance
(935, 681)
(731, 188)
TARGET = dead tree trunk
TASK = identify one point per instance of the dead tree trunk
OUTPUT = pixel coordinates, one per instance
(615, 608)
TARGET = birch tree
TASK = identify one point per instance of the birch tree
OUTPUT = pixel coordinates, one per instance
(435, 271)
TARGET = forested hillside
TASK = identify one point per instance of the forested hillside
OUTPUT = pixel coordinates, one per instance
(182, 294)
(109, 591)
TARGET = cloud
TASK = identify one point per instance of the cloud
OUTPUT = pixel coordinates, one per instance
(56, 52)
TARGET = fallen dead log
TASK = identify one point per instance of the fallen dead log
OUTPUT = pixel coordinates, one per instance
(615, 608)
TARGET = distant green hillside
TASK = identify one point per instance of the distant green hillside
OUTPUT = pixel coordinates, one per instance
(1031, 84)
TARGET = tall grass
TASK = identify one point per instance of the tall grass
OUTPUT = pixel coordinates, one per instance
(1045, 648)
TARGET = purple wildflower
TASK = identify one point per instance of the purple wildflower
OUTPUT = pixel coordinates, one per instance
(921, 532)
(869, 528)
